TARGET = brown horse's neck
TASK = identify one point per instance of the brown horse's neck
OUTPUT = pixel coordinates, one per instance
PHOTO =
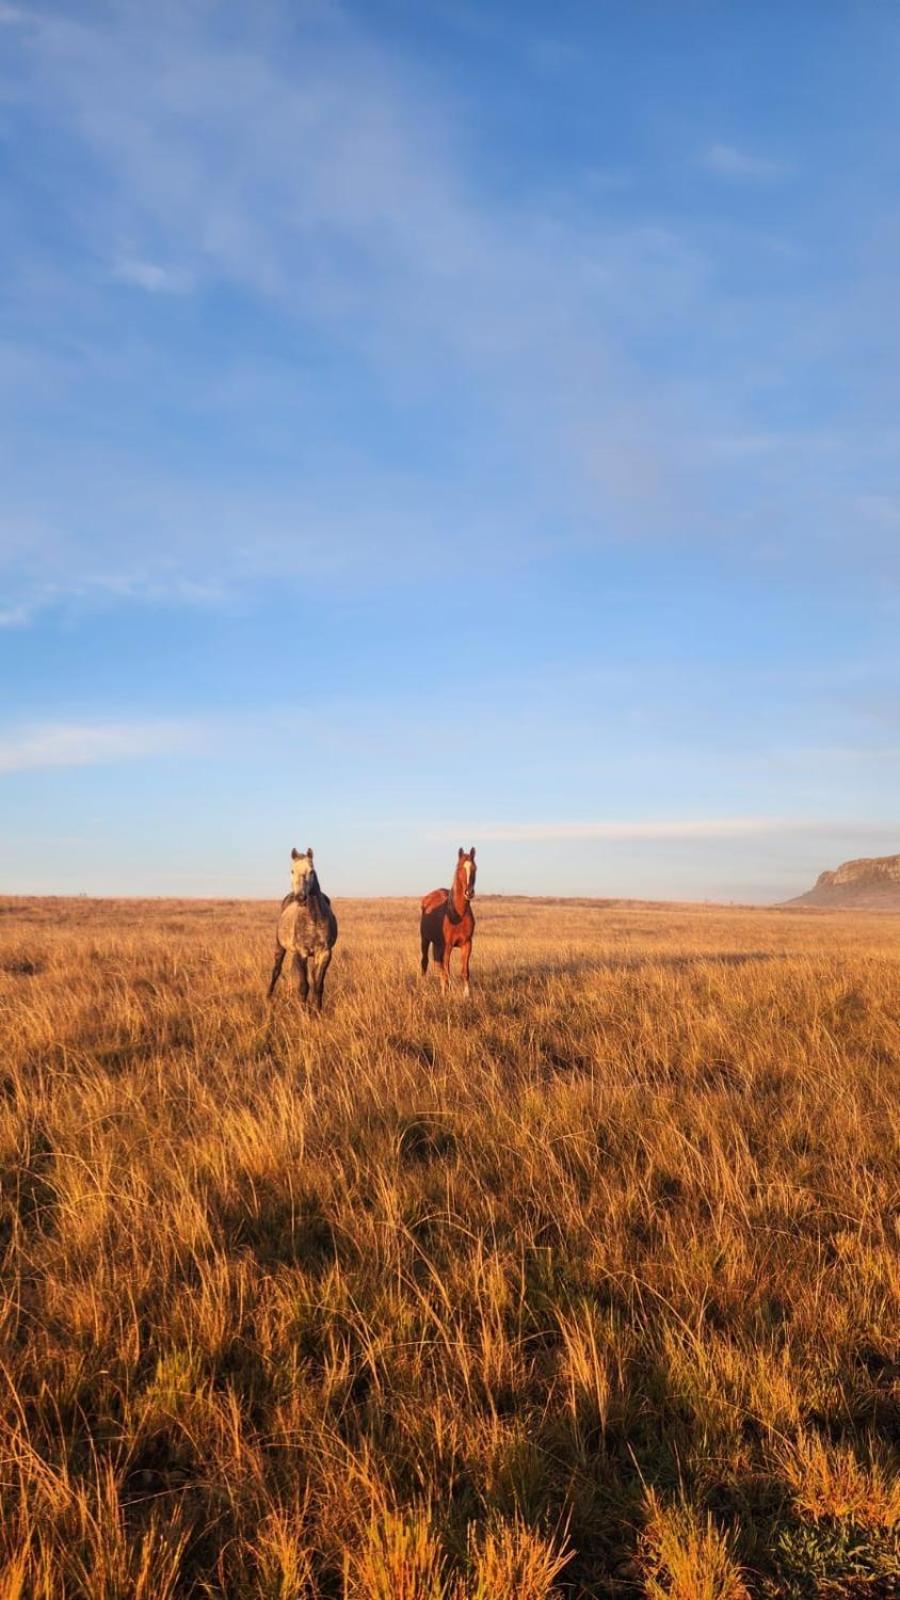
(457, 899)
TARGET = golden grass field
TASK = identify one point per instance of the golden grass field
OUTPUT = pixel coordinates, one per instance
(588, 1285)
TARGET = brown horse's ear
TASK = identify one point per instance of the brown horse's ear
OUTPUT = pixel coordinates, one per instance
(295, 854)
(472, 852)
(461, 853)
(309, 852)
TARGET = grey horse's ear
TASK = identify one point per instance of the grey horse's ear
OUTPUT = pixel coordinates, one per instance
(309, 852)
(472, 852)
(295, 854)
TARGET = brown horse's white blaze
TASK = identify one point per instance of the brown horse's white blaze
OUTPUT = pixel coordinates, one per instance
(447, 922)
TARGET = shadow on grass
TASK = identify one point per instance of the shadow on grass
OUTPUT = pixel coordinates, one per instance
(281, 1230)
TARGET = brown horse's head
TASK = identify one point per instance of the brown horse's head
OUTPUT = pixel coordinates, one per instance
(301, 867)
(466, 868)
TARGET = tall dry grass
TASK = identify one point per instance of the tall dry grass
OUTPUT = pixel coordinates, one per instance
(586, 1285)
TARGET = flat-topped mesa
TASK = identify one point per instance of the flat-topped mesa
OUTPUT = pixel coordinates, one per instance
(869, 883)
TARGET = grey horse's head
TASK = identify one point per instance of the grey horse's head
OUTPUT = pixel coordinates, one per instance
(301, 869)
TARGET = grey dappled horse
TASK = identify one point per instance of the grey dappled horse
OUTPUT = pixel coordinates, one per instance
(307, 928)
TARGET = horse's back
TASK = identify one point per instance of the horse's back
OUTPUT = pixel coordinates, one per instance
(436, 899)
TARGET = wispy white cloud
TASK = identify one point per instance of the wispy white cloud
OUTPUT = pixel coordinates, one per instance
(880, 508)
(657, 830)
(17, 616)
(729, 162)
(605, 180)
(93, 744)
(149, 275)
(737, 446)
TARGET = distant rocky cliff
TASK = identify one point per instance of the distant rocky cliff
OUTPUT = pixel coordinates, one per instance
(870, 884)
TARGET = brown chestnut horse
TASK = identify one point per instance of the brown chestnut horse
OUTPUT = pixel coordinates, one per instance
(447, 920)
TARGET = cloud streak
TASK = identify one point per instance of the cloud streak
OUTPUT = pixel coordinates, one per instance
(727, 161)
(659, 830)
(17, 616)
(149, 276)
(34, 749)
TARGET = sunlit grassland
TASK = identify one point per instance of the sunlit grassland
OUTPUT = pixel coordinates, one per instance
(588, 1284)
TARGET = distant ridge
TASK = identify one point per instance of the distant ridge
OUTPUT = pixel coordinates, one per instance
(870, 884)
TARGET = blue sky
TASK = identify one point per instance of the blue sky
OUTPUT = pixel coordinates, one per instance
(434, 423)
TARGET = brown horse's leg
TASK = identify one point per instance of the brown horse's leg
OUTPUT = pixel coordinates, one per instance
(280, 954)
(465, 951)
(446, 953)
(431, 935)
(301, 978)
(320, 965)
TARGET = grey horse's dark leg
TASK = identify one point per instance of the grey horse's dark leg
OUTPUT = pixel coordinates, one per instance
(320, 965)
(280, 954)
(302, 978)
